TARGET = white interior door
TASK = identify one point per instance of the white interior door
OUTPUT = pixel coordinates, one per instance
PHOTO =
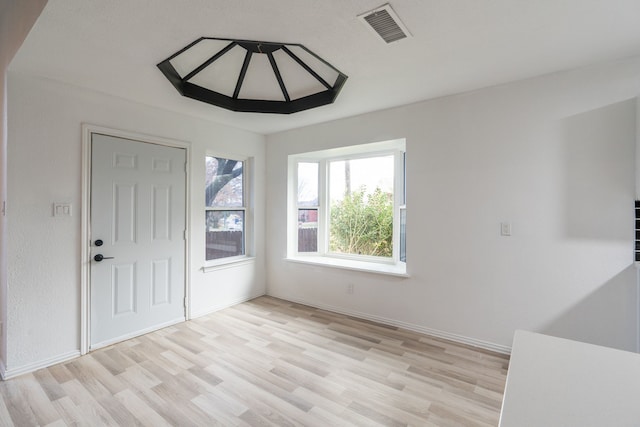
(138, 228)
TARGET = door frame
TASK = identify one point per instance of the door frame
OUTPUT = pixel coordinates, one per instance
(85, 246)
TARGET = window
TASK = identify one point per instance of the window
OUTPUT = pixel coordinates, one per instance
(308, 207)
(350, 207)
(225, 208)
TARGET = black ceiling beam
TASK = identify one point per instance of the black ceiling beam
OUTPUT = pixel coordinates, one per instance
(172, 75)
(276, 71)
(306, 67)
(199, 93)
(187, 47)
(243, 72)
(209, 61)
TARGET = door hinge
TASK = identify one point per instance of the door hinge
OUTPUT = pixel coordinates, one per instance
(184, 302)
(184, 234)
(4, 208)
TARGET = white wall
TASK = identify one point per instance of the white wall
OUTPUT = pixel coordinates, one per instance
(552, 155)
(44, 151)
(16, 19)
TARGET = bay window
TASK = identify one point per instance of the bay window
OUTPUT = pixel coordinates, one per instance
(348, 207)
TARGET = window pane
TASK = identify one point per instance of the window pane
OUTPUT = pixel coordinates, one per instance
(307, 230)
(225, 234)
(224, 186)
(361, 211)
(307, 184)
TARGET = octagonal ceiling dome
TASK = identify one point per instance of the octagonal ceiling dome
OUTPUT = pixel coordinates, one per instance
(253, 76)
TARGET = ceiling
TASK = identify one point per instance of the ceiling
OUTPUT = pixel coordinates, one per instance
(456, 46)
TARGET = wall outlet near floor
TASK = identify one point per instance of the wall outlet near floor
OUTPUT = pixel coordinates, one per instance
(350, 288)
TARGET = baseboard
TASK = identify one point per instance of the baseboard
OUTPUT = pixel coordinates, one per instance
(125, 337)
(14, 372)
(486, 345)
(11, 373)
(228, 304)
(6, 374)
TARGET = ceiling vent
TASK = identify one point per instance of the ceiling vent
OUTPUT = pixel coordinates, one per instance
(384, 21)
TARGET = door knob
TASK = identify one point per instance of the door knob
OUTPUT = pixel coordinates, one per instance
(100, 257)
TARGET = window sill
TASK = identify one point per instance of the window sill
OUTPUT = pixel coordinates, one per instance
(221, 265)
(398, 270)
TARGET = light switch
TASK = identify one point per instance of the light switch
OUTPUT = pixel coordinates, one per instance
(62, 209)
(505, 229)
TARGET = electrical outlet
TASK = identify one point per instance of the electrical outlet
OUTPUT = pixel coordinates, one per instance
(350, 288)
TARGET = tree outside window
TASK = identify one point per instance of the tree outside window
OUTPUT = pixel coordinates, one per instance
(224, 208)
(361, 208)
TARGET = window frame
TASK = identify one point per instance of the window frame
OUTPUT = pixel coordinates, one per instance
(247, 202)
(392, 265)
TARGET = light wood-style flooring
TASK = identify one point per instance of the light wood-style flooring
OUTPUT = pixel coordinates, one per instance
(261, 363)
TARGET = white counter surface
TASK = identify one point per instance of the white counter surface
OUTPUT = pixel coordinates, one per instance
(557, 382)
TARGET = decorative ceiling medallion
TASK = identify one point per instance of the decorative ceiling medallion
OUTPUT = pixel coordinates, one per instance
(253, 76)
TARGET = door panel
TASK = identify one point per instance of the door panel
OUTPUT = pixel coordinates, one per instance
(160, 289)
(138, 211)
(124, 213)
(161, 212)
(124, 297)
